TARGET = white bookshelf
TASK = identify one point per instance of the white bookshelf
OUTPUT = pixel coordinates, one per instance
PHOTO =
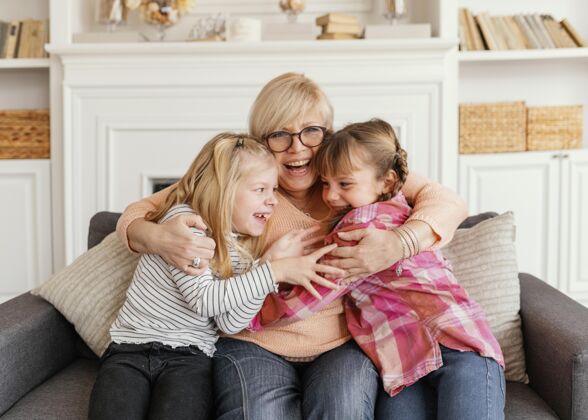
(26, 224)
(546, 190)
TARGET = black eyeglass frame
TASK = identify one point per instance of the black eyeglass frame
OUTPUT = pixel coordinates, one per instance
(266, 138)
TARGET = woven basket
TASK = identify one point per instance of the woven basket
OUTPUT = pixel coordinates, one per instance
(554, 127)
(492, 127)
(24, 134)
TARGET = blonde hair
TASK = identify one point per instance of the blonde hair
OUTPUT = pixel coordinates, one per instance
(209, 187)
(284, 99)
(372, 143)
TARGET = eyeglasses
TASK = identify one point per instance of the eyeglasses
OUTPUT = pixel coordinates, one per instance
(280, 141)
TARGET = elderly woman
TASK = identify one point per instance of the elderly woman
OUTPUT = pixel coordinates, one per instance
(310, 369)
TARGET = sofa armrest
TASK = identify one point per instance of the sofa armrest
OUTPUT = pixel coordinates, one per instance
(35, 342)
(555, 330)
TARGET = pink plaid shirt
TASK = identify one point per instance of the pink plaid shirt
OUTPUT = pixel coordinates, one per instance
(398, 316)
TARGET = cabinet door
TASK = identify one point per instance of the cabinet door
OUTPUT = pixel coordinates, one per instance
(526, 184)
(574, 249)
(25, 226)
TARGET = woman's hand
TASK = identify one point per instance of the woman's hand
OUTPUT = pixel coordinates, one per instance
(293, 244)
(175, 242)
(375, 251)
(303, 270)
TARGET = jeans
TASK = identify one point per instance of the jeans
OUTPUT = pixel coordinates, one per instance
(251, 383)
(467, 386)
(140, 381)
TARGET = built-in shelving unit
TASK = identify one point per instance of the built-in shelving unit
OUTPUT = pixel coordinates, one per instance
(548, 191)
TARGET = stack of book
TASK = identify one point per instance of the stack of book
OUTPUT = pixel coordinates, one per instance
(339, 26)
(530, 31)
(24, 39)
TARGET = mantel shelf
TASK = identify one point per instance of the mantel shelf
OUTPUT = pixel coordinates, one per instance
(24, 63)
(522, 55)
(248, 48)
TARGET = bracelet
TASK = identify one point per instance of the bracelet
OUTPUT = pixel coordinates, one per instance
(403, 242)
(413, 239)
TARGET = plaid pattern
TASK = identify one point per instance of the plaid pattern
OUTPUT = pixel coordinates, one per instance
(398, 316)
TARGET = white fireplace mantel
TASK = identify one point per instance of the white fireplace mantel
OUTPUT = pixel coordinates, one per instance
(133, 113)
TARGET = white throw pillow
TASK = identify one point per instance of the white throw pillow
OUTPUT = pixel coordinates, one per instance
(484, 261)
(90, 291)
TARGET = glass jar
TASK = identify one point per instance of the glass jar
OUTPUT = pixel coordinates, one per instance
(161, 13)
(111, 13)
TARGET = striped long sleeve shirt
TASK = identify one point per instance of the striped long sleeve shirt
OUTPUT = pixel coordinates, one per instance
(168, 306)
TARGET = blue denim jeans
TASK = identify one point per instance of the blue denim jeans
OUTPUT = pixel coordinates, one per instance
(152, 381)
(251, 383)
(467, 386)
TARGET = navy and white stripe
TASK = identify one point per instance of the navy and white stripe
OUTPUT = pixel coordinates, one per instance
(168, 306)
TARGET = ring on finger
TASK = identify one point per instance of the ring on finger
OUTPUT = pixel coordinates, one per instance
(196, 262)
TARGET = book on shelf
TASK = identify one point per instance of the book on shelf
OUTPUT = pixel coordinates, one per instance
(508, 41)
(559, 35)
(342, 28)
(539, 30)
(573, 33)
(522, 41)
(529, 34)
(466, 42)
(487, 31)
(474, 31)
(10, 47)
(24, 39)
(338, 36)
(336, 18)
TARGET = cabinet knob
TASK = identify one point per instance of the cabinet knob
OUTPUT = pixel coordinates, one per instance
(565, 156)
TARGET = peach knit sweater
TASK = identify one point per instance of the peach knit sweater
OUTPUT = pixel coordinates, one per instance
(433, 204)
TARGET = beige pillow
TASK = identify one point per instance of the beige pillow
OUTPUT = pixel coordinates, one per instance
(484, 261)
(91, 290)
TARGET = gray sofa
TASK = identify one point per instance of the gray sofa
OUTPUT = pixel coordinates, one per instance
(47, 372)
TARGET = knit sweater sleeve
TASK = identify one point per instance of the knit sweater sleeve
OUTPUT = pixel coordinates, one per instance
(138, 210)
(439, 207)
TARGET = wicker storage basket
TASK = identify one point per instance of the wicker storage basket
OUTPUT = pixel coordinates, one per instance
(24, 134)
(554, 127)
(492, 127)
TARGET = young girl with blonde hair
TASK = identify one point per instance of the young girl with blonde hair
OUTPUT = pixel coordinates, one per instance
(311, 369)
(159, 364)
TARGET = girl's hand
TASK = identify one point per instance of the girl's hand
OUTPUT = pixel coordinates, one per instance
(178, 245)
(303, 270)
(293, 244)
(376, 251)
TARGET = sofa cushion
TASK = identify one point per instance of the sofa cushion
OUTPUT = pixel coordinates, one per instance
(91, 290)
(65, 396)
(484, 261)
(522, 403)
